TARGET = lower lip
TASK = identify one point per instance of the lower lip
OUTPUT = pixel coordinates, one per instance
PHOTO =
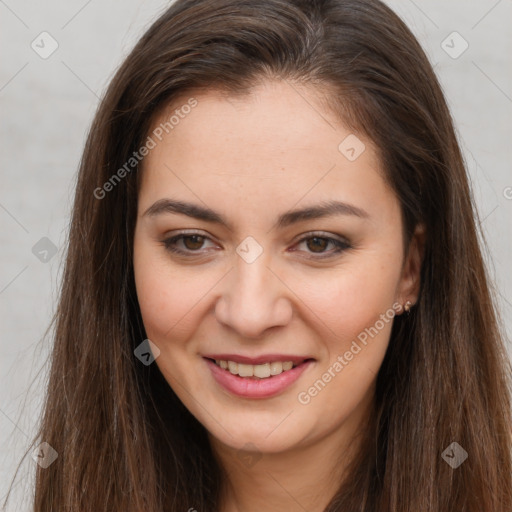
(248, 387)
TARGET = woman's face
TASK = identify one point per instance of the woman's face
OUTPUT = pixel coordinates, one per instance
(266, 236)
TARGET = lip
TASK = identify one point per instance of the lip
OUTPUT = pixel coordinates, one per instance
(247, 387)
(265, 358)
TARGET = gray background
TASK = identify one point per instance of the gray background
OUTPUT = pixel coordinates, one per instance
(48, 104)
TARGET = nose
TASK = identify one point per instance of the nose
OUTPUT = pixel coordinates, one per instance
(253, 299)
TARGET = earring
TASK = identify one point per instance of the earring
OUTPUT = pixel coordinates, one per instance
(407, 307)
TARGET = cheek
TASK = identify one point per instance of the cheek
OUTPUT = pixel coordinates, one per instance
(356, 307)
(163, 297)
(166, 303)
(360, 320)
(157, 304)
(353, 298)
(171, 297)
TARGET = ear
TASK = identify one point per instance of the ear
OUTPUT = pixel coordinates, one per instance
(409, 286)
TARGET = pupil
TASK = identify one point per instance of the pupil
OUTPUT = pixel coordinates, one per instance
(321, 244)
(197, 241)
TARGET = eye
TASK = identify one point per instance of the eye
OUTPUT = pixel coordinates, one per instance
(186, 243)
(318, 243)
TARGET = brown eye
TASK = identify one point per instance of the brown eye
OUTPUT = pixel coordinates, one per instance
(187, 244)
(317, 244)
(193, 242)
(323, 246)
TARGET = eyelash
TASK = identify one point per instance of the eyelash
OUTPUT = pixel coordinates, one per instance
(340, 245)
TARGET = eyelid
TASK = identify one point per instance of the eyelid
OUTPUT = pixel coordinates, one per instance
(191, 231)
(184, 233)
(322, 234)
(340, 242)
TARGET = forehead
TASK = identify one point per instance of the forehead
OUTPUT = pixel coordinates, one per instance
(278, 142)
(274, 116)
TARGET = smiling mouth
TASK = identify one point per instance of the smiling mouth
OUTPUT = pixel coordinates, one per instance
(257, 371)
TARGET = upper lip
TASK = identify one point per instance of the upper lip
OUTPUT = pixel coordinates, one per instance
(264, 358)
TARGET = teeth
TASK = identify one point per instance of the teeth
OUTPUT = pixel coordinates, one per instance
(260, 371)
(245, 370)
(276, 368)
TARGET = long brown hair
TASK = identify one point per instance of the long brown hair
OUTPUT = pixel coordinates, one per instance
(125, 441)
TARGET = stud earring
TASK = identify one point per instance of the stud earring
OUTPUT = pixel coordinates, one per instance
(407, 307)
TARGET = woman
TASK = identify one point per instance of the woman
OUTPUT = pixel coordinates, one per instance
(274, 296)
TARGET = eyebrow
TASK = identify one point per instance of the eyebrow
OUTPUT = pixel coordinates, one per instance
(324, 209)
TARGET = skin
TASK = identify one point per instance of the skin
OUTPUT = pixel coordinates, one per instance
(251, 158)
